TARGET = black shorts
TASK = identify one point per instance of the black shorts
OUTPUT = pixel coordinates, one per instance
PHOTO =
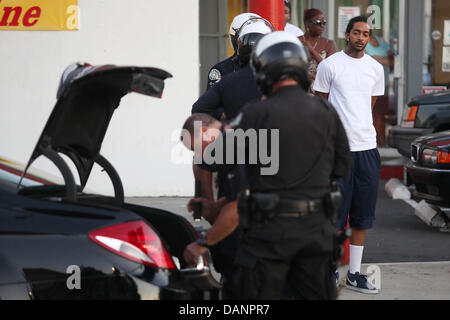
(360, 191)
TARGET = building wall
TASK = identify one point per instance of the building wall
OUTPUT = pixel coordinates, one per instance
(140, 139)
(441, 13)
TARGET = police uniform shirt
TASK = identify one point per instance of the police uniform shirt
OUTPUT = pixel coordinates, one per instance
(313, 146)
(231, 94)
(221, 69)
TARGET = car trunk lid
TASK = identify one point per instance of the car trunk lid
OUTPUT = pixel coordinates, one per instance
(86, 100)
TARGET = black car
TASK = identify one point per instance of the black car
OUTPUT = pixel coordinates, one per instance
(424, 115)
(58, 241)
(429, 168)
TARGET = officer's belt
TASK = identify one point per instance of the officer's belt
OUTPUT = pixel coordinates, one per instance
(298, 208)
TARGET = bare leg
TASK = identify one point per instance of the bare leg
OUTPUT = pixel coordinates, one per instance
(358, 237)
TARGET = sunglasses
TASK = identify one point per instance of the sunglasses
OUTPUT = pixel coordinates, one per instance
(319, 23)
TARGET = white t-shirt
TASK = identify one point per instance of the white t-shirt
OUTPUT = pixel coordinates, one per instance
(351, 84)
(296, 31)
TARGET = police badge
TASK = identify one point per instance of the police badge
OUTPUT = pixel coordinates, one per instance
(215, 75)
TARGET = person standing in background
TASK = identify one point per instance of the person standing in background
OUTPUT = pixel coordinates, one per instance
(352, 81)
(289, 27)
(319, 47)
(381, 52)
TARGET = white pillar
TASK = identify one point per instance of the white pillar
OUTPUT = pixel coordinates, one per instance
(386, 20)
(399, 60)
(331, 18)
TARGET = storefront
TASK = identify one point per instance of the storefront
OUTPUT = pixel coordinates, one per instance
(437, 43)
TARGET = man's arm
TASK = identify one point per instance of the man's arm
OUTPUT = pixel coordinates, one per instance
(379, 87)
(342, 154)
(210, 102)
(205, 178)
(374, 101)
(322, 84)
(323, 94)
(210, 209)
(226, 222)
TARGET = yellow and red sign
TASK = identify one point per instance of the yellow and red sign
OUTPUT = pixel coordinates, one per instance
(39, 15)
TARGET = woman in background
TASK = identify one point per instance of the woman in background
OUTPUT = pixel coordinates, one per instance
(319, 47)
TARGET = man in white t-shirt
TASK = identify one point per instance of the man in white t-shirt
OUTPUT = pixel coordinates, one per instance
(289, 27)
(352, 80)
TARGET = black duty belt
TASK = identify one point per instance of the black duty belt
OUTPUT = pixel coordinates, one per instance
(298, 208)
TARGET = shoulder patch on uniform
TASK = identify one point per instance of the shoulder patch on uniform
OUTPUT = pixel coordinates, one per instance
(215, 75)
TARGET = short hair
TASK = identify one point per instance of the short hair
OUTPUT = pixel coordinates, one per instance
(288, 4)
(355, 20)
(204, 118)
(311, 13)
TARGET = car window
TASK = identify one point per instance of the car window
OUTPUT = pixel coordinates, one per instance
(428, 114)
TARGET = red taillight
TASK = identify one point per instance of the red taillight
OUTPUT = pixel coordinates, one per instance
(443, 157)
(412, 113)
(135, 241)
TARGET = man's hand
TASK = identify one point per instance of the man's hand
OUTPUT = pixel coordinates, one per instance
(192, 252)
(210, 209)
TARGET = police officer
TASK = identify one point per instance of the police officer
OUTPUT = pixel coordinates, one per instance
(287, 215)
(230, 64)
(230, 94)
(234, 90)
(238, 88)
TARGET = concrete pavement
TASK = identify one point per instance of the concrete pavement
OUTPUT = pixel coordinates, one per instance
(404, 281)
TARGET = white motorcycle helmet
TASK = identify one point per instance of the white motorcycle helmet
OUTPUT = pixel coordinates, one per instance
(236, 25)
(249, 35)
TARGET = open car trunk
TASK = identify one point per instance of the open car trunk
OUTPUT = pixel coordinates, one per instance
(176, 233)
(87, 98)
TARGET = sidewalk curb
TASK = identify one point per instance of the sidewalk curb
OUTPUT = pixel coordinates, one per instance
(430, 216)
(396, 190)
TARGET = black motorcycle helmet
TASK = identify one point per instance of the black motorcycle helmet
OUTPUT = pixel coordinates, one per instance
(248, 35)
(279, 54)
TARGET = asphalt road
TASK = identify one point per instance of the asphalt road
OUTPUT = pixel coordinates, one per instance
(398, 235)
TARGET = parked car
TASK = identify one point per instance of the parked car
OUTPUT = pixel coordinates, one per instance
(429, 168)
(424, 115)
(51, 231)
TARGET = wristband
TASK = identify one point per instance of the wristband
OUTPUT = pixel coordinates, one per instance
(202, 241)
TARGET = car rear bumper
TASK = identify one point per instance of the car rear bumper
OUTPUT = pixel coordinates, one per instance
(401, 138)
(431, 184)
(119, 286)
